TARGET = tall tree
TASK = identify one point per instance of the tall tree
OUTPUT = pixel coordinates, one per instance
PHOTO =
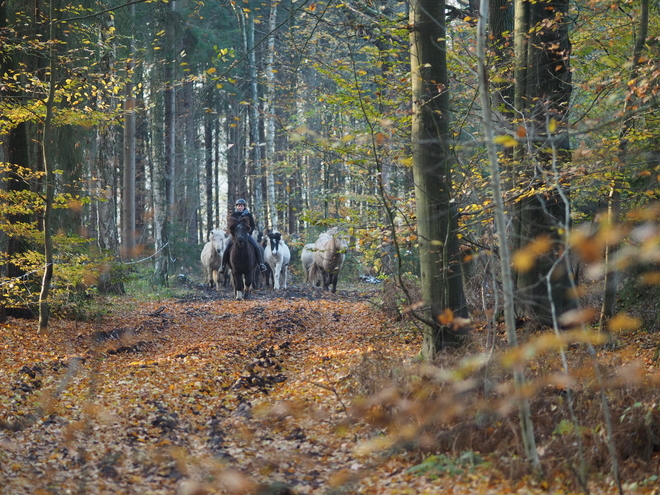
(269, 116)
(49, 177)
(164, 150)
(255, 124)
(542, 95)
(608, 307)
(526, 425)
(208, 169)
(128, 190)
(105, 163)
(442, 287)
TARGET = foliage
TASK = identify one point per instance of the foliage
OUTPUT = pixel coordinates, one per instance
(395, 301)
(79, 267)
(435, 466)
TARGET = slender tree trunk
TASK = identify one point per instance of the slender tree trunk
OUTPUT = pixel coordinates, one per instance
(105, 160)
(190, 197)
(442, 287)
(163, 177)
(216, 173)
(169, 100)
(526, 424)
(49, 176)
(128, 190)
(608, 308)
(269, 116)
(208, 147)
(255, 121)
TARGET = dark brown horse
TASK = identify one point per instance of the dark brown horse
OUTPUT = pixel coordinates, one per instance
(242, 259)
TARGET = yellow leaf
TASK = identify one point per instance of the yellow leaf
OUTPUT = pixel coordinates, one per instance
(623, 323)
(650, 278)
(524, 259)
(506, 141)
(552, 126)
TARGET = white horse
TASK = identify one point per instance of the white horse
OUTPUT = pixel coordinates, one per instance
(307, 258)
(278, 256)
(329, 253)
(212, 257)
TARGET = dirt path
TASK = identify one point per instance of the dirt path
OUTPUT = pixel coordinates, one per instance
(203, 391)
(205, 395)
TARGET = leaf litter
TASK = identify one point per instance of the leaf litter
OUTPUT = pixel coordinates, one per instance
(209, 395)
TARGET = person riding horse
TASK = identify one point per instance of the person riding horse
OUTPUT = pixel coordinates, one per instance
(241, 211)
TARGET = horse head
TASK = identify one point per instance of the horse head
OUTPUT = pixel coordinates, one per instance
(274, 239)
(241, 231)
(218, 238)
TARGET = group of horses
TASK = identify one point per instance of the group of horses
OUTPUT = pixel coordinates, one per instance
(321, 260)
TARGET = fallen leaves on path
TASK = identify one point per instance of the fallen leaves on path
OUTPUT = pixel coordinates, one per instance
(203, 397)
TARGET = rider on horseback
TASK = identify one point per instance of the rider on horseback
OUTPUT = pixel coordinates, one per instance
(241, 211)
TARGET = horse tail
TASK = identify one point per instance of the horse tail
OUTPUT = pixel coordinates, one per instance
(315, 274)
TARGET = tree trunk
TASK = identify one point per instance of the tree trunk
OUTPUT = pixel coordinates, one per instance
(169, 100)
(436, 216)
(164, 159)
(608, 308)
(269, 116)
(189, 199)
(526, 424)
(49, 177)
(543, 89)
(128, 189)
(208, 147)
(105, 163)
(255, 135)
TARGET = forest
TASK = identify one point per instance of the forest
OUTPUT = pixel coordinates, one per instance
(492, 168)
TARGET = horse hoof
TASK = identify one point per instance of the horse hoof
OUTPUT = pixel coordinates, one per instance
(239, 296)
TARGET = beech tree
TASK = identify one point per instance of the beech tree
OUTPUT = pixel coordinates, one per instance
(542, 102)
(436, 213)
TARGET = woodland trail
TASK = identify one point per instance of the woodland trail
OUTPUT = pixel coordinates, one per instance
(207, 395)
(205, 392)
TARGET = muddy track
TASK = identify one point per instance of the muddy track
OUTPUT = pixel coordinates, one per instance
(360, 292)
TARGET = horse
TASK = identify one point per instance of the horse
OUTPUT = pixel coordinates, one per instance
(277, 256)
(328, 255)
(212, 257)
(242, 258)
(258, 276)
(307, 258)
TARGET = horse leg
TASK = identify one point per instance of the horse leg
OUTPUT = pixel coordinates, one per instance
(285, 270)
(276, 275)
(334, 277)
(208, 276)
(238, 285)
(248, 283)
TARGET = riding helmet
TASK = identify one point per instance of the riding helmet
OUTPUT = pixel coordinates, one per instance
(241, 202)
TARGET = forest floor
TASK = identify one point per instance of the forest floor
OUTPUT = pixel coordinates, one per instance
(286, 392)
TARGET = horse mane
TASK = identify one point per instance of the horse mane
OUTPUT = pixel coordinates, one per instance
(332, 240)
